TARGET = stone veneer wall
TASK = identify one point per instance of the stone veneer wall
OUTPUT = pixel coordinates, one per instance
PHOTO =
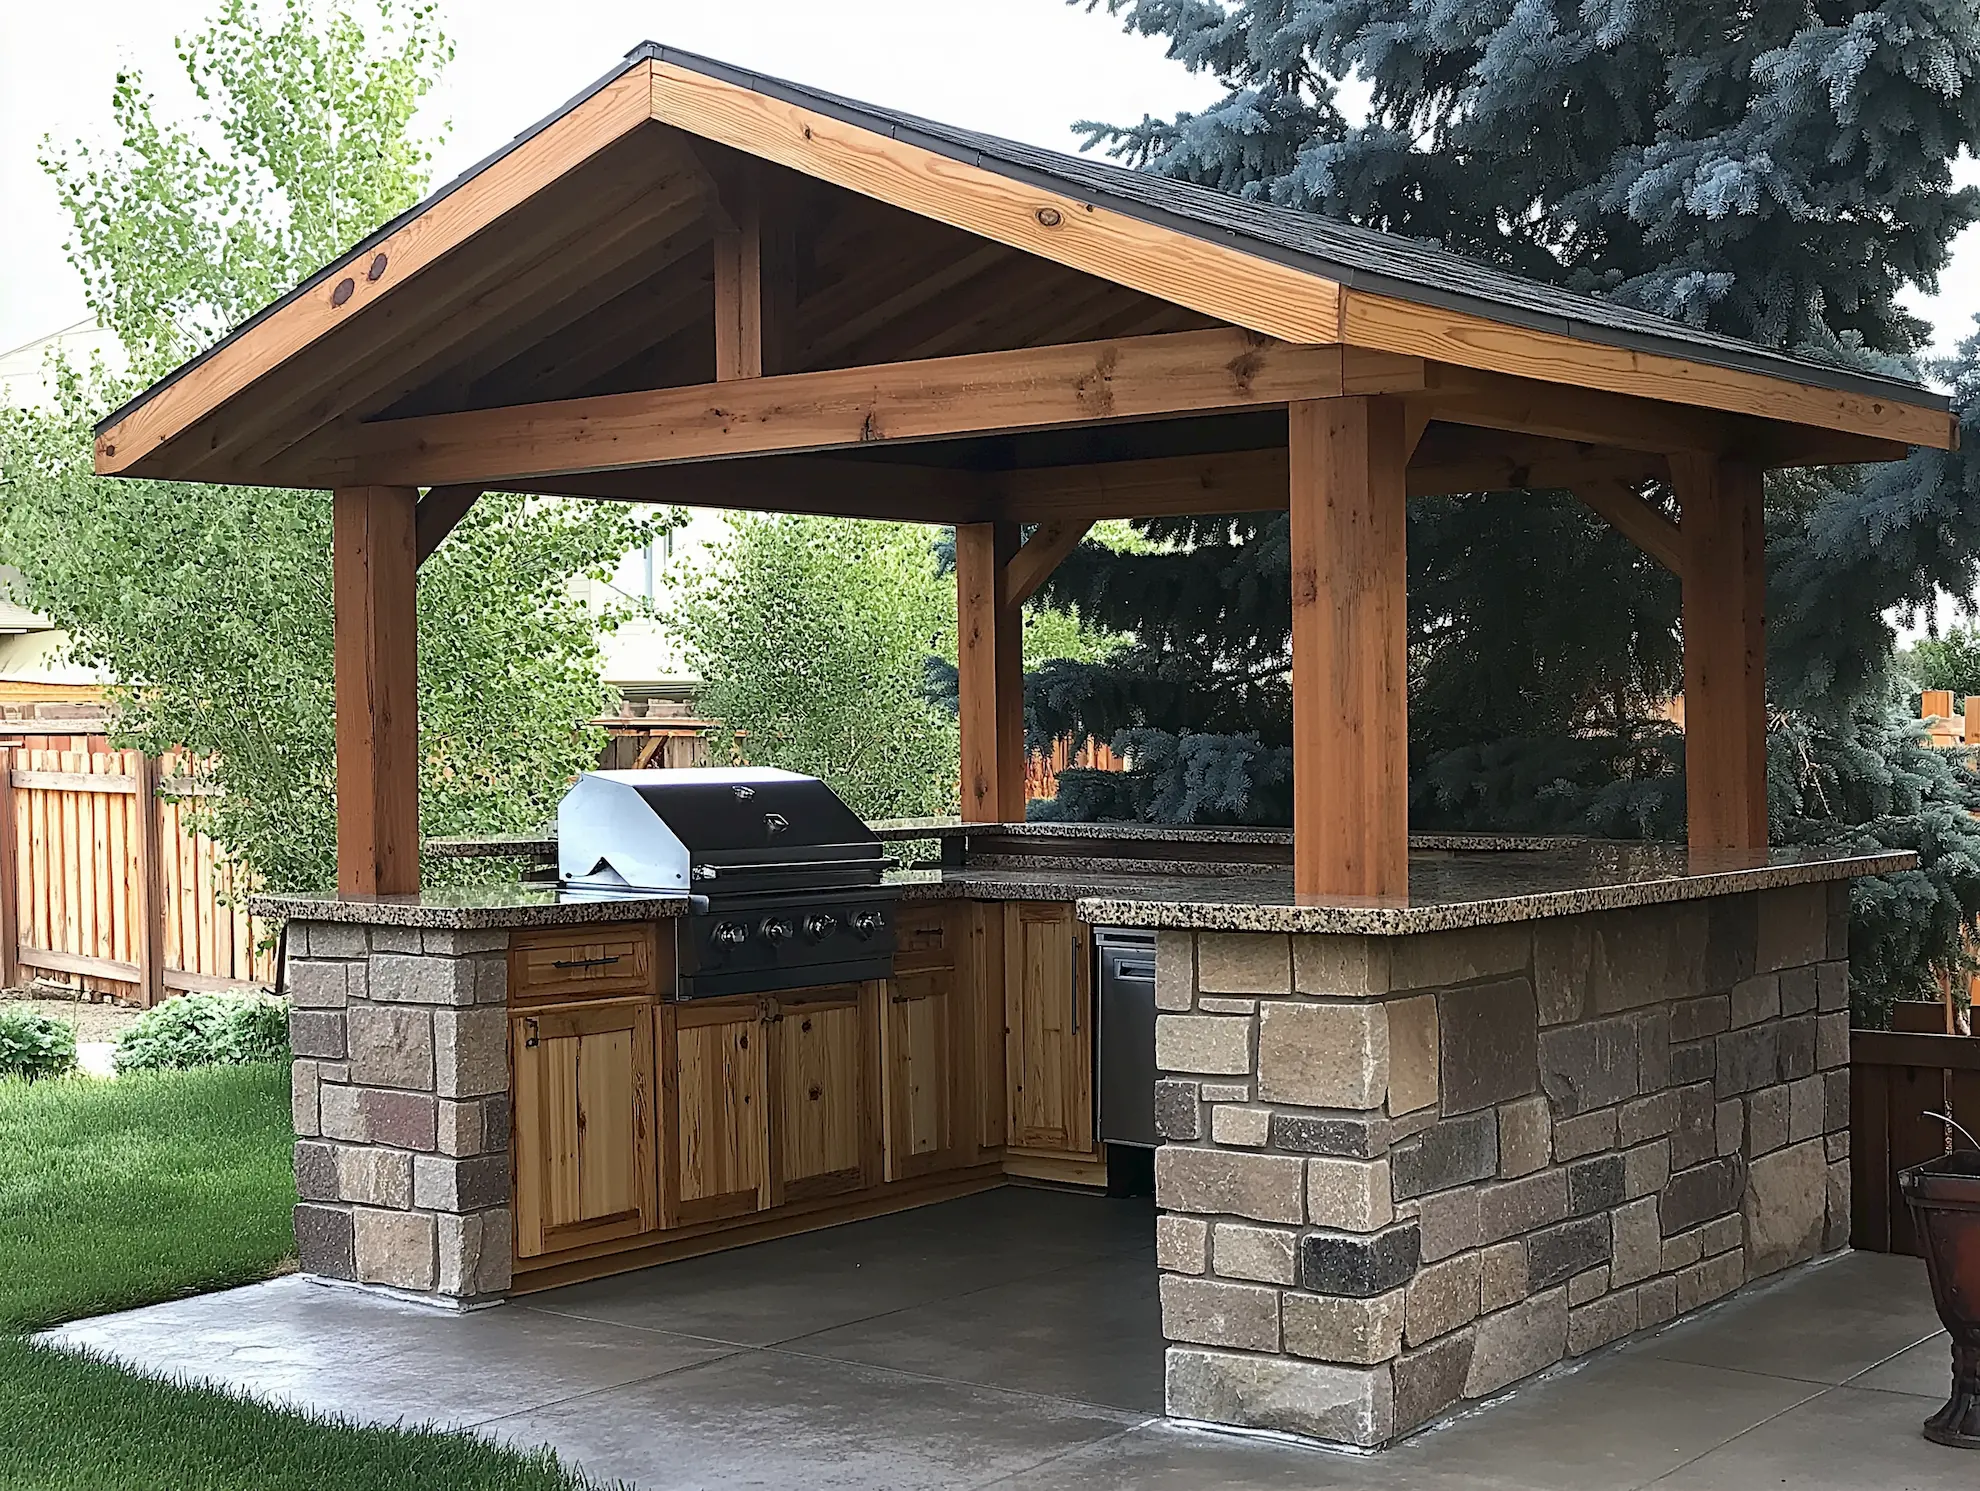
(1402, 1173)
(401, 1040)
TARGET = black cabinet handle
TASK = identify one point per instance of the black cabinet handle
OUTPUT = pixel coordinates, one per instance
(588, 962)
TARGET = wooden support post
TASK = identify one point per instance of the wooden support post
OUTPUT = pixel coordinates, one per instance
(10, 881)
(1725, 646)
(374, 570)
(1349, 687)
(990, 669)
(149, 943)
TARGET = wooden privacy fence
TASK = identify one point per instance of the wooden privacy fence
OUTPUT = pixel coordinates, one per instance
(105, 882)
(1896, 1078)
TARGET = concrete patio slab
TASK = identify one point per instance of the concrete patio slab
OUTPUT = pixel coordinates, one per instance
(1012, 1339)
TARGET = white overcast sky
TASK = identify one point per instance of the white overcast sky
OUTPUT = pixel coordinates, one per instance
(1022, 68)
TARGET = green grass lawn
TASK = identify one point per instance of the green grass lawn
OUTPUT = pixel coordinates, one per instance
(118, 1194)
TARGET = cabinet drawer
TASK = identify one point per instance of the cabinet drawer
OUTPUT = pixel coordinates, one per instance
(583, 960)
(925, 939)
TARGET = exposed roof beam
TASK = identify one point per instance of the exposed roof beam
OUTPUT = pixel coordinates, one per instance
(983, 393)
(1636, 520)
(1042, 553)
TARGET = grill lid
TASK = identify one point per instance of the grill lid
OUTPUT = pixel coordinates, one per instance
(711, 829)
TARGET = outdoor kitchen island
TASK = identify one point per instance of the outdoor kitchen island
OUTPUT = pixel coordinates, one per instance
(1410, 1154)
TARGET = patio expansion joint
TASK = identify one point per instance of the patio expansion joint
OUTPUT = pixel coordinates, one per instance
(598, 1392)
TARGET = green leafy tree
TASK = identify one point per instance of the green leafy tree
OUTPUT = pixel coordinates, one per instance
(1948, 662)
(811, 636)
(210, 607)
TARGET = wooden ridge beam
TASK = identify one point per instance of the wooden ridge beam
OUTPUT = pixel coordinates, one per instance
(1042, 553)
(983, 393)
(1637, 521)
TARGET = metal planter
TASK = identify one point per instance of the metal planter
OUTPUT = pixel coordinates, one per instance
(1944, 1196)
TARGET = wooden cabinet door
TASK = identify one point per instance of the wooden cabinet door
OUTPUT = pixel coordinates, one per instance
(1050, 1045)
(717, 1159)
(584, 1163)
(824, 1131)
(990, 1021)
(926, 1114)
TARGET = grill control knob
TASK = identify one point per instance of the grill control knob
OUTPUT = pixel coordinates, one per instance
(731, 934)
(866, 923)
(775, 929)
(818, 926)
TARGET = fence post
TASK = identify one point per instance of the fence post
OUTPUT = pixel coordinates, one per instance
(150, 948)
(10, 889)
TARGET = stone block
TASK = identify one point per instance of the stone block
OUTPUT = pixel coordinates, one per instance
(339, 1116)
(396, 1248)
(1695, 1019)
(461, 942)
(1839, 913)
(1263, 1187)
(1341, 967)
(1836, 1232)
(304, 1084)
(1636, 1249)
(1224, 1004)
(1695, 1061)
(1412, 1053)
(1225, 1092)
(469, 1127)
(328, 939)
(1239, 1127)
(1448, 1154)
(1216, 1045)
(1263, 1255)
(1722, 1233)
(1585, 1134)
(1805, 1105)
(1703, 1192)
(1797, 1051)
(1182, 1244)
(1350, 1195)
(392, 1046)
(318, 1033)
(1595, 1325)
(1176, 1113)
(406, 1120)
(1355, 1135)
(477, 1257)
(1502, 1276)
(1595, 1185)
(1360, 1265)
(1800, 991)
(1436, 960)
(1449, 1222)
(1702, 1283)
(1730, 1123)
(1696, 1136)
(471, 1052)
(1442, 1297)
(374, 1177)
(1210, 1312)
(324, 1241)
(442, 1183)
(1755, 1000)
(1320, 1400)
(1656, 1301)
(1646, 1168)
(1562, 951)
(1175, 970)
(1766, 1121)
(1733, 941)
(1832, 986)
(1556, 1254)
(1517, 1342)
(1430, 1382)
(1786, 1208)
(1243, 963)
(1653, 1049)
(1588, 1065)
(1489, 1041)
(312, 984)
(1794, 926)
(409, 978)
(1836, 1146)
(1511, 1207)
(1332, 1328)
(1526, 1137)
(1835, 1102)
(1747, 1059)
(316, 1170)
(1323, 1055)
(1643, 1119)
(394, 939)
(1583, 1288)
(1832, 1040)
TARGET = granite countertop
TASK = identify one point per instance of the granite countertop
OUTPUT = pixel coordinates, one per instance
(470, 908)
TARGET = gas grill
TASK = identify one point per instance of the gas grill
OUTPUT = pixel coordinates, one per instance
(784, 881)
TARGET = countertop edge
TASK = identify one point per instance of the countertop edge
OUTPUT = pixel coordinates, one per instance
(414, 912)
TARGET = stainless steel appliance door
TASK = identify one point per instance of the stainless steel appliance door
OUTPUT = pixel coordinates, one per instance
(1127, 1035)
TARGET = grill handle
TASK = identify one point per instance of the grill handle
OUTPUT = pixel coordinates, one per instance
(716, 872)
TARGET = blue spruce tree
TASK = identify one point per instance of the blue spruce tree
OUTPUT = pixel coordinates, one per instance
(1774, 169)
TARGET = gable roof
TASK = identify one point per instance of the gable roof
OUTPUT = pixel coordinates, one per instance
(1328, 256)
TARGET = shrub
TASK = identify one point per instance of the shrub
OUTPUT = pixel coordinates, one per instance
(35, 1045)
(206, 1030)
